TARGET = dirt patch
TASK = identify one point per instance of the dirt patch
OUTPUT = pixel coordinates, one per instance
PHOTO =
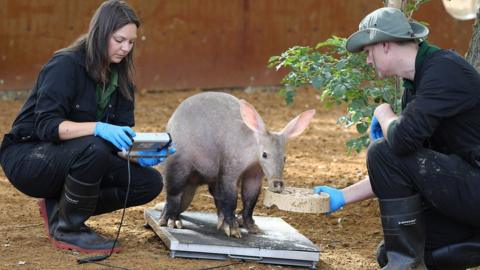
(347, 238)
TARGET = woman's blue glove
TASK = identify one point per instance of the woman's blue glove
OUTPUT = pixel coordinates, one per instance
(337, 200)
(376, 132)
(120, 136)
(157, 157)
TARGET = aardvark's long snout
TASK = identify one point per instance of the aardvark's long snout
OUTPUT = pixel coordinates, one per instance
(275, 185)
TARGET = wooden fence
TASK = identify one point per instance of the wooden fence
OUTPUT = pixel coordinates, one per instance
(197, 43)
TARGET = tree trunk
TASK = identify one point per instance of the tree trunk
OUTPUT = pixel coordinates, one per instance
(400, 4)
(473, 54)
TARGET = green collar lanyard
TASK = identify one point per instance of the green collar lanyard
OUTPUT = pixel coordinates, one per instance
(424, 49)
(105, 92)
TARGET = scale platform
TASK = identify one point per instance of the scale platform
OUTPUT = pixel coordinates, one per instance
(199, 238)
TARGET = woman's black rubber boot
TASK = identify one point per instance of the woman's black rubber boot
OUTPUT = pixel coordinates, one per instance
(77, 203)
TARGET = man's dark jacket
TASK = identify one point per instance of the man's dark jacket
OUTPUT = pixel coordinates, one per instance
(442, 111)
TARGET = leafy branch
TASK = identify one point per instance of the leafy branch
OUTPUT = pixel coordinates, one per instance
(342, 77)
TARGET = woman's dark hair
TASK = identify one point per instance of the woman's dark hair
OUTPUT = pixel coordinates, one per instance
(109, 17)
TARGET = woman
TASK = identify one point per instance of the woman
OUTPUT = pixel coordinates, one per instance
(63, 144)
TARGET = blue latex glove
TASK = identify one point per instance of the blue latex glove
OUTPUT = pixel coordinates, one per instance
(157, 157)
(376, 132)
(337, 200)
(120, 136)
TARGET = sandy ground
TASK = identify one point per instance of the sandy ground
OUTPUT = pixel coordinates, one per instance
(347, 238)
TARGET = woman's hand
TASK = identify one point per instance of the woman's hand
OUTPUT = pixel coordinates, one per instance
(120, 136)
(150, 158)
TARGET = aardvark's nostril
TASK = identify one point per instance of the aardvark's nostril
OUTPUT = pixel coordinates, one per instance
(278, 184)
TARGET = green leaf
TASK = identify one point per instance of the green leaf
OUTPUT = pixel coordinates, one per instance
(361, 128)
(317, 82)
(342, 77)
(273, 59)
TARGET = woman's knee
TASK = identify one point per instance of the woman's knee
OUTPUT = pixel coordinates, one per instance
(156, 183)
(151, 186)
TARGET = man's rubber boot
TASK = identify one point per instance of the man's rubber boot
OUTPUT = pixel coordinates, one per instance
(404, 232)
(381, 254)
(458, 256)
(76, 205)
(49, 213)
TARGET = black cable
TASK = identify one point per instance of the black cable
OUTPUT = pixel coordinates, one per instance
(105, 256)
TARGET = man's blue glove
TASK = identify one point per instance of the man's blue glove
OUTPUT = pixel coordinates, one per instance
(376, 132)
(157, 157)
(120, 136)
(337, 200)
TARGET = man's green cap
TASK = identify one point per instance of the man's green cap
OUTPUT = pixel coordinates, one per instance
(383, 25)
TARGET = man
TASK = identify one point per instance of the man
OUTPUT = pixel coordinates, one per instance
(423, 165)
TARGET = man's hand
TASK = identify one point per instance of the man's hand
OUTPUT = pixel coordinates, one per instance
(376, 132)
(382, 117)
(120, 136)
(156, 157)
(337, 200)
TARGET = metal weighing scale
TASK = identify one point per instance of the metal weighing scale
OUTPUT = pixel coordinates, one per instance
(279, 243)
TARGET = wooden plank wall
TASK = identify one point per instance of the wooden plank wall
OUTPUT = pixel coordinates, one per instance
(197, 43)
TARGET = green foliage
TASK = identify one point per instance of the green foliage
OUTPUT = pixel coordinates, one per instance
(412, 6)
(342, 77)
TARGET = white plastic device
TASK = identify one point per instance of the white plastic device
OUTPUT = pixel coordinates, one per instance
(149, 142)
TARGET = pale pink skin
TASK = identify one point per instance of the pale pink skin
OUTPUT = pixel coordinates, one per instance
(121, 42)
